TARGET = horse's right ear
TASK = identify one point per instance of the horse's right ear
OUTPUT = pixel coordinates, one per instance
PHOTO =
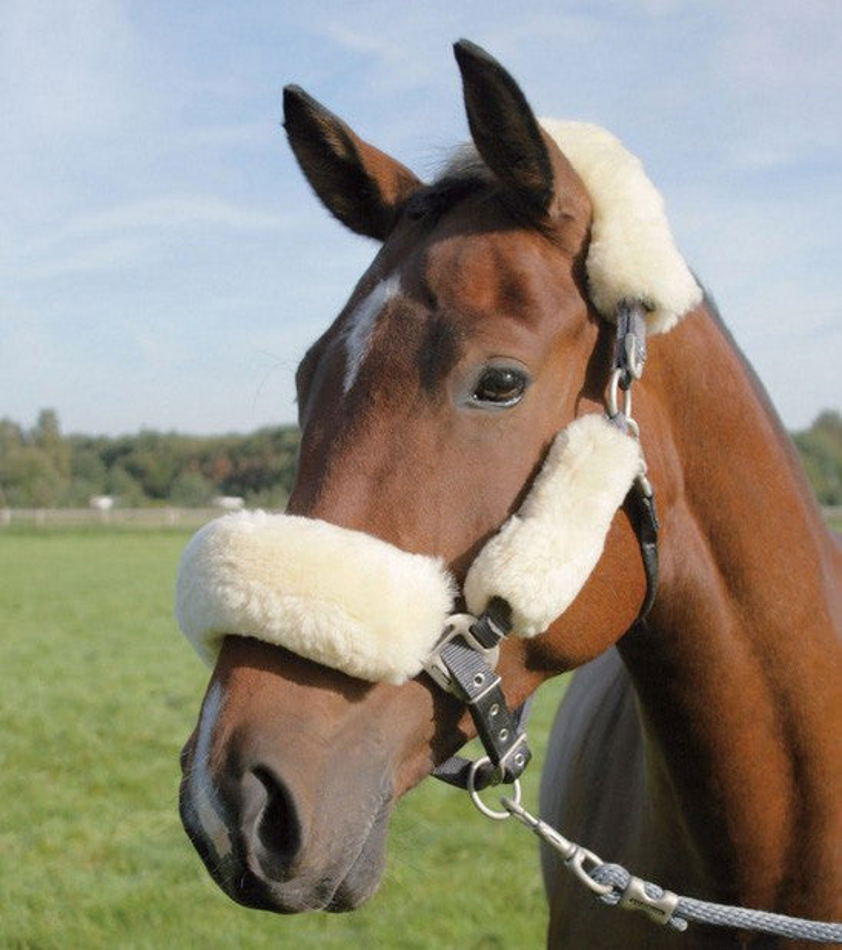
(355, 181)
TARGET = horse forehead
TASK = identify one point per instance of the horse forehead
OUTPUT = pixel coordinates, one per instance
(446, 290)
(494, 271)
(399, 324)
(358, 328)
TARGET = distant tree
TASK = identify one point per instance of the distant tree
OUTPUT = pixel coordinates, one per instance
(11, 436)
(124, 488)
(46, 435)
(152, 463)
(820, 447)
(11, 439)
(87, 466)
(28, 478)
(192, 490)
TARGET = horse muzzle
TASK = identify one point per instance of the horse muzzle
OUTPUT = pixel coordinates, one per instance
(260, 837)
(273, 825)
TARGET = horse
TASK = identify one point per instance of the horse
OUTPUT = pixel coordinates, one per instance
(699, 743)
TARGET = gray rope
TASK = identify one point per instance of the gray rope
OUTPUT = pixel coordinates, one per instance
(690, 910)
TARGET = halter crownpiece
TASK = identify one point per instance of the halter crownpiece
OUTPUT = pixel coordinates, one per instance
(632, 255)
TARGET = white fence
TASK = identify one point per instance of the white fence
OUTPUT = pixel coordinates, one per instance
(157, 517)
(118, 517)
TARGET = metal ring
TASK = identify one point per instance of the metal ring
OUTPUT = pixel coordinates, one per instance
(613, 397)
(478, 802)
(613, 393)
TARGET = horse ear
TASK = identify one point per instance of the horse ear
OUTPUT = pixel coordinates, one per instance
(505, 130)
(355, 181)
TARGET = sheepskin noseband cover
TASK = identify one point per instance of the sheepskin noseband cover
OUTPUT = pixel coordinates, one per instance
(342, 598)
(352, 602)
(541, 557)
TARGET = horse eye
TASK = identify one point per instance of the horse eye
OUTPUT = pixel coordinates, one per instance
(500, 386)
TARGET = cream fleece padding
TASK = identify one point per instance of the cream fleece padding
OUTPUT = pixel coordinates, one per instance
(632, 255)
(341, 598)
(542, 556)
(354, 603)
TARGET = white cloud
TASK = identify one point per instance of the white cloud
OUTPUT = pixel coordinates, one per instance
(165, 213)
(126, 236)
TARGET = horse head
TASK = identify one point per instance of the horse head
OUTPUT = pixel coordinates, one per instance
(430, 411)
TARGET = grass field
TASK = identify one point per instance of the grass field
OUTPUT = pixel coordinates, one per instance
(97, 693)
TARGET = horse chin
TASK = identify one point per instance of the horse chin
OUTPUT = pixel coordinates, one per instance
(366, 872)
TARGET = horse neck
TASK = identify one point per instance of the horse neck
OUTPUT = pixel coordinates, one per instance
(739, 671)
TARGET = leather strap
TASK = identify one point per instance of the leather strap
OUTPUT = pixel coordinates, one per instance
(644, 518)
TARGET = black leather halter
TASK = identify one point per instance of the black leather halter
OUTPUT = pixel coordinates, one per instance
(463, 662)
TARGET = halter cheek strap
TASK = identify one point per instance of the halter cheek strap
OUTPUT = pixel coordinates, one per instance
(473, 680)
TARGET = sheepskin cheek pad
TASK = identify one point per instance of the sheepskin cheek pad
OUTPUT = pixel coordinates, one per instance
(541, 557)
(357, 604)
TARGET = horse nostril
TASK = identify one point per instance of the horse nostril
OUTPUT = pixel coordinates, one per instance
(270, 822)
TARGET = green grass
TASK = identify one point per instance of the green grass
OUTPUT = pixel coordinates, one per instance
(97, 693)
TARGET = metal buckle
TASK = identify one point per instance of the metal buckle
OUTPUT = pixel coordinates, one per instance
(457, 625)
(658, 909)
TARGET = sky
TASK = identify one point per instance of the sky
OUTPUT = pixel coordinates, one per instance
(164, 265)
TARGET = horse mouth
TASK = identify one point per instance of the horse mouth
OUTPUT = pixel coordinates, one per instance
(253, 873)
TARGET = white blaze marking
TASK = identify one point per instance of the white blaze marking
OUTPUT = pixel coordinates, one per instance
(361, 326)
(202, 793)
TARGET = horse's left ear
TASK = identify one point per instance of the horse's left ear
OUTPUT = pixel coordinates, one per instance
(356, 182)
(506, 132)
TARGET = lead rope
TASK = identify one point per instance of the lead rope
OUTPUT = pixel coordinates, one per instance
(616, 887)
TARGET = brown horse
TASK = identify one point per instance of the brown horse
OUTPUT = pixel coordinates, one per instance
(701, 747)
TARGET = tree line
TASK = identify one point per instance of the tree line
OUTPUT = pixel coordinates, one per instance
(40, 467)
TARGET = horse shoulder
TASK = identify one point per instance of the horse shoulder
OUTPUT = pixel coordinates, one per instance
(592, 790)
(592, 779)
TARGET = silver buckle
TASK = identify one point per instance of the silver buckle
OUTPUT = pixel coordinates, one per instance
(457, 625)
